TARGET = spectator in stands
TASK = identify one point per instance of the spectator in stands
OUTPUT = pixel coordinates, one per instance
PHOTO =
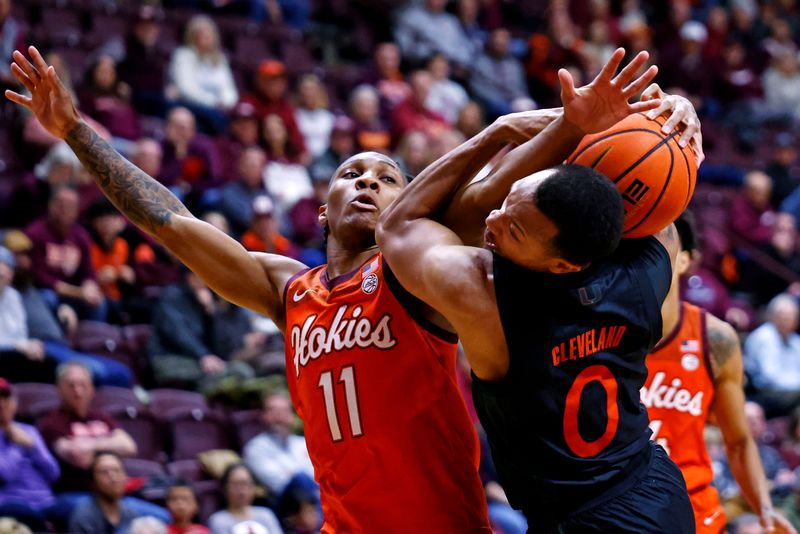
(293, 13)
(751, 215)
(341, 146)
(772, 356)
(763, 275)
(182, 506)
(147, 525)
(26, 466)
(371, 132)
(783, 170)
(498, 80)
(598, 48)
(285, 178)
(790, 448)
(386, 77)
(75, 431)
(468, 12)
(31, 346)
(29, 198)
(426, 28)
(143, 63)
(446, 97)
(239, 514)
(276, 457)
(685, 66)
(263, 234)
(195, 336)
(236, 197)
(11, 38)
(147, 154)
(61, 258)
(105, 512)
(470, 120)
(111, 256)
(313, 115)
(411, 115)
(781, 83)
(299, 511)
(781, 40)
(243, 132)
(190, 164)
(413, 153)
(270, 98)
(775, 469)
(107, 99)
(200, 73)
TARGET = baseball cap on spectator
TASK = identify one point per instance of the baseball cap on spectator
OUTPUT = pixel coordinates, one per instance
(694, 31)
(5, 388)
(243, 110)
(263, 206)
(7, 257)
(16, 241)
(271, 68)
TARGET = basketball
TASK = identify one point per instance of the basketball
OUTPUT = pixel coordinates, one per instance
(655, 176)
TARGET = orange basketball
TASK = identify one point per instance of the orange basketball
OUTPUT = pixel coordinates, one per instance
(654, 175)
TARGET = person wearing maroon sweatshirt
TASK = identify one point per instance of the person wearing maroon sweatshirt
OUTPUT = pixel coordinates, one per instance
(61, 260)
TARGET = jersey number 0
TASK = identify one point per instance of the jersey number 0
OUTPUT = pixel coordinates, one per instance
(572, 435)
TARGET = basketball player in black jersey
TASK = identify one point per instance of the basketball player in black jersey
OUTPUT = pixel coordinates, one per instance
(556, 318)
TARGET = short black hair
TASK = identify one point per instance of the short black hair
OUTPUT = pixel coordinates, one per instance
(181, 483)
(101, 208)
(687, 232)
(586, 208)
(97, 456)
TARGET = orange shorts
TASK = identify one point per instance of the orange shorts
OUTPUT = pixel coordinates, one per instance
(709, 516)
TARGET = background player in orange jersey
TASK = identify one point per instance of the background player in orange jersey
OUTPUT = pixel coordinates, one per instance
(695, 372)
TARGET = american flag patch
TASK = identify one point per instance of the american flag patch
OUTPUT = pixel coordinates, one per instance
(690, 345)
(368, 268)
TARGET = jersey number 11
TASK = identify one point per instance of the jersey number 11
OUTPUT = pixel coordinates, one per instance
(348, 378)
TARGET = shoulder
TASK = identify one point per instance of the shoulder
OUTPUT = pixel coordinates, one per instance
(723, 342)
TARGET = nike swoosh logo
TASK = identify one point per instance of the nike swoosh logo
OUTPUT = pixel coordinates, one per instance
(297, 297)
(710, 519)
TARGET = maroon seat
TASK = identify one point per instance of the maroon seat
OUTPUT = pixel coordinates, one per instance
(145, 431)
(35, 399)
(164, 400)
(112, 397)
(137, 467)
(60, 26)
(196, 430)
(250, 50)
(208, 498)
(188, 469)
(248, 424)
(98, 338)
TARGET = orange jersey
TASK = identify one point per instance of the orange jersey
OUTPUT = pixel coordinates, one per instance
(387, 430)
(116, 258)
(678, 392)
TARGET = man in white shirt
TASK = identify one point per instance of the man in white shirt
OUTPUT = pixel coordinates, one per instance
(772, 356)
(279, 459)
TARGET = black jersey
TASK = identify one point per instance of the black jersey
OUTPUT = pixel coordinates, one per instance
(566, 424)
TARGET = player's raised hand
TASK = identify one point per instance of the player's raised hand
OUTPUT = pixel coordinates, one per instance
(681, 115)
(605, 101)
(49, 101)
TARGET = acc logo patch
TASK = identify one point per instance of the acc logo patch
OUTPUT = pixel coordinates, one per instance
(370, 284)
(690, 362)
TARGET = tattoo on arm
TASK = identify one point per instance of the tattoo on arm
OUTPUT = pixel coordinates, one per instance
(723, 344)
(140, 197)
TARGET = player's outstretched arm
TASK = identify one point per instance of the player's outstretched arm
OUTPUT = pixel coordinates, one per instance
(728, 408)
(251, 280)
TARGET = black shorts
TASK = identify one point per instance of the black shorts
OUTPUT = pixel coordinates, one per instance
(656, 503)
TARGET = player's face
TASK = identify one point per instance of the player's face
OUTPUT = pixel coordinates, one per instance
(520, 232)
(362, 187)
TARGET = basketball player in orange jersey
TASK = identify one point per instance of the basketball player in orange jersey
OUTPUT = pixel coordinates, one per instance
(371, 370)
(696, 371)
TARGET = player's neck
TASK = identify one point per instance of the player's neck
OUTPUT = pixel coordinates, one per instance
(342, 260)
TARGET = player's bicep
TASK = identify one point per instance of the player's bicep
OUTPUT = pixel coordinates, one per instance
(247, 279)
(726, 357)
(430, 262)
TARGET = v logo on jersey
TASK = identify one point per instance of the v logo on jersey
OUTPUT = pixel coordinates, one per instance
(297, 297)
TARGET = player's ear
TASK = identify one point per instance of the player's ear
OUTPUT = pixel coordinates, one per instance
(561, 266)
(323, 215)
(683, 262)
